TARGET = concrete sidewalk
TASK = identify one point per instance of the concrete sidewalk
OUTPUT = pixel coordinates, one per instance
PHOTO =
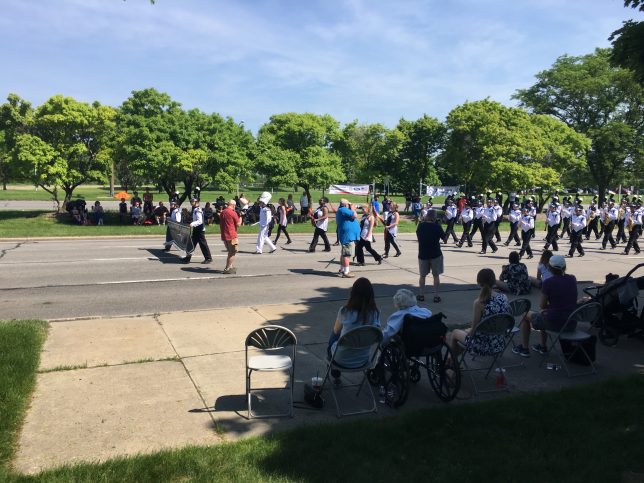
(123, 386)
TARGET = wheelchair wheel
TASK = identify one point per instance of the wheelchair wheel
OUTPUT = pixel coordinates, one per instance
(414, 372)
(445, 381)
(395, 375)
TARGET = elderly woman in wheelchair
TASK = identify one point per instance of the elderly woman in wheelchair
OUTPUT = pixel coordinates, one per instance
(413, 339)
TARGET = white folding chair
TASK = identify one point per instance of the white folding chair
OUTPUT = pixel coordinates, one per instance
(270, 340)
(361, 340)
(588, 313)
(492, 326)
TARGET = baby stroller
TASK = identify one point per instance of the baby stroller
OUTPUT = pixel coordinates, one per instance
(620, 308)
(420, 344)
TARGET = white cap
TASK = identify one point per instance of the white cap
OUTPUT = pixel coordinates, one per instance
(265, 197)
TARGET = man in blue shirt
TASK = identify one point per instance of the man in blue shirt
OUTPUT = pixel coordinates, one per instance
(375, 206)
(348, 233)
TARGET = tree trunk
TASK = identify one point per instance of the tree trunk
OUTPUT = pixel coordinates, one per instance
(112, 180)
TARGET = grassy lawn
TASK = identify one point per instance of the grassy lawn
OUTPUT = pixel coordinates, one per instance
(38, 223)
(20, 343)
(588, 433)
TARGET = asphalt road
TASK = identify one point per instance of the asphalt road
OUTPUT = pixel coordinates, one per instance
(68, 278)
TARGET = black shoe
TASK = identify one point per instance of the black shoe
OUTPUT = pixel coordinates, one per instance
(166, 249)
(517, 244)
(312, 250)
(569, 256)
(326, 249)
(185, 260)
(207, 261)
(495, 250)
(582, 254)
(379, 261)
(506, 244)
(530, 256)
(289, 242)
(397, 254)
(481, 252)
(385, 256)
(459, 245)
(470, 245)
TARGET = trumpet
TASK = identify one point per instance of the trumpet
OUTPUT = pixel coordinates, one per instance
(629, 224)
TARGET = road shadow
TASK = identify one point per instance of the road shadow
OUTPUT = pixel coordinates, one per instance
(163, 256)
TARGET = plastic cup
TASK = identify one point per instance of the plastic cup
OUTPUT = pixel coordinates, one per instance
(316, 382)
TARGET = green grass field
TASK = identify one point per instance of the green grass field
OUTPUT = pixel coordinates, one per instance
(587, 433)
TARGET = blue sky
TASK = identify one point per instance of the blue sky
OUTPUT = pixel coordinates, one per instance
(371, 60)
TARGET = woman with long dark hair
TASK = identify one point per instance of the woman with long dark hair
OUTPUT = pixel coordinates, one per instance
(391, 230)
(366, 235)
(359, 310)
(282, 221)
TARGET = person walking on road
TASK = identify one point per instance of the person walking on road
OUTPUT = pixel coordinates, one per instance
(366, 235)
(320, 221)
(348, 233)
(430, 257)
(282, 221)
(198, 233)
(229, 221)
(265, 217)
(391, 230)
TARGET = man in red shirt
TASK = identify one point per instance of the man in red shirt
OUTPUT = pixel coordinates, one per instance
(229, 221)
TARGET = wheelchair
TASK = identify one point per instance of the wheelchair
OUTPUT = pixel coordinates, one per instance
(419, 345)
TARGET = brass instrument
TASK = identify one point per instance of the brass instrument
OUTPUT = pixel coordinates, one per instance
(591, 214)
(606, 219)
(620, 213)
(629, 225)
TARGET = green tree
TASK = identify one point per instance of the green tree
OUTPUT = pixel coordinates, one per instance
(367, 150)
(15, 116)
(297, 149)
(421, 142)
(160, 142)
(64, 146)
(628, 44)
(594, 98)
(491, 146)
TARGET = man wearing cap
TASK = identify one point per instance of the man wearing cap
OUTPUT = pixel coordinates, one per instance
(348, 233)
(175, 215)
(265, 217)
(498, 209)
(577, 226)
(593, 219)
(229, 221)
(514, 215)
(198, 233)
(526, 224)
(557, 302)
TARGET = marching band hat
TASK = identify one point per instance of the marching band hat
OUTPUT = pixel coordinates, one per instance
(265, 197)
(193, 200)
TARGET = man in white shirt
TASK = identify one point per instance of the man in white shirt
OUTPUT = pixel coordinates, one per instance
(514, 214)
(634, 224)
(526, 224)
(450, 214)
(467, 215)
(489, 218)
(577, 226)
(611, 220)
(198, 233)
(553, 221)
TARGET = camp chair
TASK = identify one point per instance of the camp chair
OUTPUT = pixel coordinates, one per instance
(588, 313)
(366, 340)
(271, 338)
(493, 325)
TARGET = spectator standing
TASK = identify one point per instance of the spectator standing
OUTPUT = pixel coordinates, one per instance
(198, 233)
(229, 221)
(97, 213)
(430, 257)
(123, 211)
(375, 209)
(148, 202)
(304, 204)
(290, 209)
(408, 200)
(348, 233)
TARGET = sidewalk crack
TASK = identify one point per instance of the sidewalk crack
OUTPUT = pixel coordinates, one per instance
(215, 423)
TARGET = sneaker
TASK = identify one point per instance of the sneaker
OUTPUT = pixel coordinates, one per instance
(540, 349)
(521, 351)
(348, 275)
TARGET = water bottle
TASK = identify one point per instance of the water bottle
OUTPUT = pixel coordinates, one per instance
(382, 395)
(500, 377)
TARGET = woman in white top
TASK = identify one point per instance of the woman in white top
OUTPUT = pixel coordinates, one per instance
(366, 235)
(320, 220)
(391, 230)
(282, 221)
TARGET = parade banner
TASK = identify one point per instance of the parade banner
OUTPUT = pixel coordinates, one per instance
(349, 189)
(441, 190)
(181, 236)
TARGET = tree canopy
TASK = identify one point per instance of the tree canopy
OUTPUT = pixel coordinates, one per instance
(597, 100)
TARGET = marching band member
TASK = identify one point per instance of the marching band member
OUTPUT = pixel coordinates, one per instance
(450, 214)
(526, 223)
(578, 224)
(566, 213)
(513, 216)
(593, 220)
(488, 217)
(477, 223)
(498, 208)
(623, 214)
(553, 221)
(610, 220)
(198, 233)
(634, 225)
(467, 215)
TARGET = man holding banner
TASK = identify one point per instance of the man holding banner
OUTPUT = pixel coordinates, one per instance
(198, 233)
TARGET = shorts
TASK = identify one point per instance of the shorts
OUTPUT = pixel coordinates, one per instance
(231, 246)
(432, 265)
(540, 322)
(347, 250)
